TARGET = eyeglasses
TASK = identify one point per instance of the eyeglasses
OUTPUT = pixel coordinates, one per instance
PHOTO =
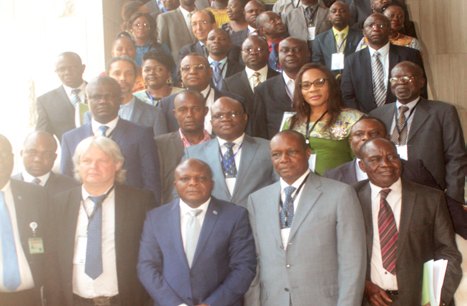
(199, 67)
(318, 83)
(250, 50)
(218, 116)
(144, 25)
(403, 79)
(376, 26)
(34, 153)
(202, 22)
(107, 97)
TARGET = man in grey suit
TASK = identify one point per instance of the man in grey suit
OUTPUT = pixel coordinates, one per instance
(309, 234)
(123, 70)
(189, 110)
(38, 156)
(240, 163)
(174, 27)
(157, 7)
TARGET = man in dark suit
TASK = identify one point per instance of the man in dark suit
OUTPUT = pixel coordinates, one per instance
(196, 75)
(255, 55)
(96, 231)
(197, 250)
(218, 45)
(341, 39)
(274, 97)
(23, 224)
(271, 27)
(56, 108)
(136, 142)
(240, 164)
(123, 70)
(38, 157)
(252, 10)
(157, 7)
(372, 66)
(406, 225)
(190, 110)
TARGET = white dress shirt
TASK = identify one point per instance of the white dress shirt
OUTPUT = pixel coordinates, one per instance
(290, 85)
(209, 102)
(360, 174)
(187, 16)
(28, 178)
(263, 76)
(106, 285)
(237, 150)
(185, 217)
(127, 109)
(252, 31)
(379, 275)
(285, 232)
(96, 125)
(384, 58)
(411, 106)
(81, 94)
(27, 282)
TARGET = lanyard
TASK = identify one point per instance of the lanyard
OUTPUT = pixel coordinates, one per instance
(399, 129)
(95, 209)
(226, 166)
(286, 213)
(308, 132)
(339, 47)
(293, 4)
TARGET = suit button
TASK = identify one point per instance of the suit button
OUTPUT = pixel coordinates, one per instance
(286, 289)
(288, 266)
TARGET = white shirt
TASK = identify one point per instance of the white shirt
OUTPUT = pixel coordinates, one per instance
(252, 31)
(410, 105)
(263, 76)
(81, 94)
(27, 282)
(106, 284)
(209, 102)
(360, 174)
(379, 275)
(285, 232)
(290, 85)
(28, 178)
(96, 125)
(384, 58)
(222, 66)
(185, 217)
(187, 16)
(127, 109)
(237, 150)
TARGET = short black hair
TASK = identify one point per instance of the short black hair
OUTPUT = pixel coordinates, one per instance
(161, 56)
(392, 3)
(366, 117)
(300, 138)
(121, 58)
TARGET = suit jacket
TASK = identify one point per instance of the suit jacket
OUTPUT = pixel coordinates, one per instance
(171, 150)
(435, 136)
(425, 232)
(55, 184)
(325, 45)
(283, 7)
(55, 113)
(255, 171)
(138, 147)
(173, 31)
(167, 105)
(239, 37)
(145, 115)
(357, 81)
(224, 262)
(239, 84)
(131, 205)
(270, 102)
(324, 261)
(31, 204)
(153, 8)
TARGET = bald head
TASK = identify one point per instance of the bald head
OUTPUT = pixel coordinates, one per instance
(38, 153)
(70, 69)
(193, 182)
(339, 15)
(104, 96)
(6, 161)
(228, 118)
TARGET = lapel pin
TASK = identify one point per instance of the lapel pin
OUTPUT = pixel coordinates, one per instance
(214, 212)
(33, 226)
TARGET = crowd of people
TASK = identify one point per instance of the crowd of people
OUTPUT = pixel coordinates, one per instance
(235, 155)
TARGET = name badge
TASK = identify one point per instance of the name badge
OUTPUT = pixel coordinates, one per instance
(312, 162)
(337, 61)
(36, 245)
(402, 151)
(286, 116)
(80, 251)
(311, 33)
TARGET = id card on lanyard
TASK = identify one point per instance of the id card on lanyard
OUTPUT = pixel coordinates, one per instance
(312, 159)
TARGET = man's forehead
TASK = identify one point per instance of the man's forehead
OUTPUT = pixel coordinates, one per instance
(193, 60)
(339, 5)
(200, 16)
(252, 5)
(403, 70)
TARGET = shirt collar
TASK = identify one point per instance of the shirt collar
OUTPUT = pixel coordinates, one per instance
(187, 144)
(276, 42)
(129, 105)
(223, 61)
(383, 51)
(69, 89)
(206, 91)
(95, 126)
(313, 7)
(262, 71)
(345, 31)
(185, 12)
(237, 141)
(410, 105)
(251, 29)
(297, 183)
(286, 78)
(86, 194)
(7, 187)
(28, 178)
(396, 187)
(185, 208)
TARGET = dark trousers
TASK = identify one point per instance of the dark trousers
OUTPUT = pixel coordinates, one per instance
(31, 297)
(80, 302)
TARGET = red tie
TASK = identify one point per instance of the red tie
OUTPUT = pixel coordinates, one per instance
(387, 233)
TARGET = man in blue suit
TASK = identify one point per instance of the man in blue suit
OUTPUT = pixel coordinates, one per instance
(136, 142)
(197, 250)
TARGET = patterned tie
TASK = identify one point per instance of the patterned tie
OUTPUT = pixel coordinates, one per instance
(36, 181)
(11, 277)
(387, 233)
(231, 170)
(93, 266)
(76, 98)
(340, 39)
(379, 90)
(217, 76)
(286, 222)
(193, 229)
(256, 80)
(402, 138)
(273, 62)
(103, 129)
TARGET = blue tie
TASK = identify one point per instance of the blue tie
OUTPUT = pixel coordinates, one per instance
(273, 58)
(230, 170)
(103, 129)
(286, 222)
(11, 278)
(217, 76)
(93, 266)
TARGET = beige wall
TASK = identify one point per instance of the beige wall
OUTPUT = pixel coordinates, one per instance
(441, 28)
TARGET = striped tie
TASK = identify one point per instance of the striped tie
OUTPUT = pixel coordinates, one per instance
(379, 90)
(76, 98)
(256, 80)
(387, 233)
(400, 139)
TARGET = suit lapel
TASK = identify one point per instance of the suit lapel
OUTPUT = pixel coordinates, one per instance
(350, 172)
(393, 61)
(69, 222)
(244, 83)
(137, 111)
(364, 194)
(319, 18)
(208, 224)
(63, 96)
(120, 216)
(173, 221)
(21, 210)
(272, 213)
(212, 153)
(330, 42)
(249, 148)
(408, 203)
(119, 130)
(419, 117)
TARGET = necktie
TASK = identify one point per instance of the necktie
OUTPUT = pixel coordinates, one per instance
(400, 139)
(379, 90)
(273, 57)
(217, 76)
(287, 211)
(340, 39)
(228, 164)
(256, 80)
(387, 233)
(309, 14)
(103, 129)
(11, 277)
(193, 229)
(76, 98)
(36, 181)
(93, 266)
